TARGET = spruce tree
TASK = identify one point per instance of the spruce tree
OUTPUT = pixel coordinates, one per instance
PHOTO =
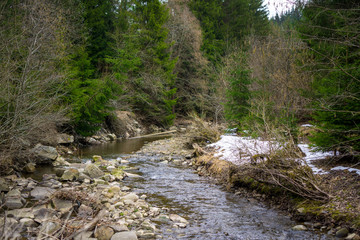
(330, 28)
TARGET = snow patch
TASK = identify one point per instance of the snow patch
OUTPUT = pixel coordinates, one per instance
(239, 150)
(346, 168)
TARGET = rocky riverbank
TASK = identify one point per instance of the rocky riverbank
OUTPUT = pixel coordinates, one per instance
(82, 201)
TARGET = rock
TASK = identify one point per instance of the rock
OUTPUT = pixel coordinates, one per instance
(97, 158)
(40, 193)
(21, 213)
(14, 193)
(299, 228)
(13, 203)
(44, 214)
(13, 199)
(110, 168)
(59, 171)
(131, 196)
(30, 167)
(85, 211)
(84, 178)
(28, 222)
(112, 137)
(4, 186)
(162, 219)
(84, 236)
(46, 154)
(177, 218)
(63, 206)
(60, 161)
(119, 227)
(301, 210)
(132, 175)
(64, 138)
(49, 227)
(70, 175)
(104, 233)
(93, 171)
(92, 141)
(118, 173)
(131, 235)
(98, 181)
(343, 232)
(353, 236)
(148, 225)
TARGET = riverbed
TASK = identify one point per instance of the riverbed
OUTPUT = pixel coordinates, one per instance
(212, 212)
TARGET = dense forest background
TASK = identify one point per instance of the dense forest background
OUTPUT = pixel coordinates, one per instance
(66, 65)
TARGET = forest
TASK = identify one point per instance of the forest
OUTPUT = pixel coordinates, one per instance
(67, 65)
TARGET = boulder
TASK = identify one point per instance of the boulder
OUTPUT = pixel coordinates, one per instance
(131, 235)
(119, 227)
(64, 138)
(45, 154)
(13, 203)
(84, 236)
(43, 214)
(40, 193)
(176, 218)
(49, 227)
(30, 167)
(70, 175)
(104, 233)
(13, 199)
(353, 236)
(60, 161)
(343, 232)
(93, 171)
(4, 185)
(21, 213)
(131, 196)
(98, 158)
(63, 206)
(85, 211)
(111, 136)
(28, 222)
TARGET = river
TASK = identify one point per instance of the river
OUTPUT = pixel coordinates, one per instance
(212, 212)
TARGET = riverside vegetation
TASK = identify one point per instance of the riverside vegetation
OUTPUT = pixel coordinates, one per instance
(76, 73)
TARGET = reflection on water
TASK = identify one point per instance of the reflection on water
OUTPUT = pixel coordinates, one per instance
(121, 146)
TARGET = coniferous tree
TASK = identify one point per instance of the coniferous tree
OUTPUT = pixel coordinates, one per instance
(331, 30)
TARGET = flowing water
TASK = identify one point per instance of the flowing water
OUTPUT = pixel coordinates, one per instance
(212, 212)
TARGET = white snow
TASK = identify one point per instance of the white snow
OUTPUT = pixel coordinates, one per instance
(347, 168)
(239, 150)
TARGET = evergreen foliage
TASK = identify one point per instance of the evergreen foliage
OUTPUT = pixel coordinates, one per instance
(143, 61)
(331, 30)
(238, 93)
